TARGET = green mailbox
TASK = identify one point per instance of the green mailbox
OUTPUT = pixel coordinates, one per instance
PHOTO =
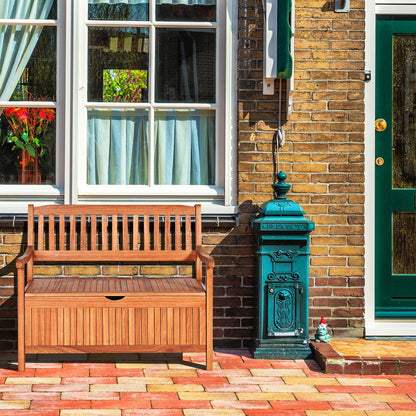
(282, 243)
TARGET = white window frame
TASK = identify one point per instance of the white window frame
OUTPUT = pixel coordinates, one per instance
(209, 195)
(71, 126)
(14, 198)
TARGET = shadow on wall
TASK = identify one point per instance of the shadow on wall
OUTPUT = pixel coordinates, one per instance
(234, 281)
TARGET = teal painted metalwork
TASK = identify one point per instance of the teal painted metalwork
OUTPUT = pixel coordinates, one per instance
(282, 242)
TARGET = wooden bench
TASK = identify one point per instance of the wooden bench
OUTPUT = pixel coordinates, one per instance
(115, 314)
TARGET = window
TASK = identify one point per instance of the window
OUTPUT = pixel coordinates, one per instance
(130, 102)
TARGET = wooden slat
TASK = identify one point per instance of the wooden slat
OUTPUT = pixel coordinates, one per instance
(93, 232)
(178, 239)
(40, 233)
(114, 243)
(30, 226)
(156, 231)
(170, 324)
(113, 209)
(72, 233)
(104, 233)
(146, 233)
(135, 232)
(93, 330)
(62, 232)
(198, 227)
(51, 237)
(188, 233)
(125, 233)
(83, 243)
(167, 232)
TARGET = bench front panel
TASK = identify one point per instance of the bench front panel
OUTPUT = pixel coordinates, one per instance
(94, 321)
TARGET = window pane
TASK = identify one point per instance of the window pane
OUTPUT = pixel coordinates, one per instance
(117, 146)
(27, 145)
(186, 10)
(185, 62)
(35, 77)
(404, 111)
(185, 147)
(118, 10)
(25, 9)
(118, 61)
(404, 242)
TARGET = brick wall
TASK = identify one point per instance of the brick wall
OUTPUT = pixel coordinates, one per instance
(322, 156)
(11, 245)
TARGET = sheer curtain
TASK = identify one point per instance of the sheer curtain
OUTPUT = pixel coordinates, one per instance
(185, 147)
(18, 42)
(117, 146)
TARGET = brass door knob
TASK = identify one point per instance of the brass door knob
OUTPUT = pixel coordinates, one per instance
(380, 124)
(379, 161)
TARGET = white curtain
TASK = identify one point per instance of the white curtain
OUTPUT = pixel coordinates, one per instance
(117, 147)
(18, 42)
(185, 147)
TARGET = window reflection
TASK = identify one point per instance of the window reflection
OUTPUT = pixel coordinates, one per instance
(185, 63)
(404, 111)
(118, 64)
(196, 10)
(118, 11)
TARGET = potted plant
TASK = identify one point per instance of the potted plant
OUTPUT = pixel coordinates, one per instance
(28, 135)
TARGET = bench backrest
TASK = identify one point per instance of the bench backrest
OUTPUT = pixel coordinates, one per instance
(114, 232)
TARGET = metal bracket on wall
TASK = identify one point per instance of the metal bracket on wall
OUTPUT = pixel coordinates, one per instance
(269, 46)
(342, 6)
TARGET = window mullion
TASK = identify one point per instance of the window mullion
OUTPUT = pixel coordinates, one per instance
(151, 89)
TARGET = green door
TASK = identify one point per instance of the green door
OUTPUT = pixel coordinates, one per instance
(395, 167)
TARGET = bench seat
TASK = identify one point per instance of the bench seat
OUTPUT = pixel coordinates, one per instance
(116, 286)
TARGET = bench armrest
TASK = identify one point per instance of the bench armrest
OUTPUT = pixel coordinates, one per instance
(205, 258)
(25, 257)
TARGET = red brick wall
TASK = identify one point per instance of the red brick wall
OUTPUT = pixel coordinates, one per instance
(322, 156)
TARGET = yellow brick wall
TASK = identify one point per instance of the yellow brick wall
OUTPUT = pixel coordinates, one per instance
(324, 151)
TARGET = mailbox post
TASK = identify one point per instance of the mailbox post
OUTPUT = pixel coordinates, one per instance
(282, 242)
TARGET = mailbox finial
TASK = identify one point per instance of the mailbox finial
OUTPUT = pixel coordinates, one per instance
(280, 188)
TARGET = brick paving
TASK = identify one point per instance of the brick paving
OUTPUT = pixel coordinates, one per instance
(121, 385)
(366, 357)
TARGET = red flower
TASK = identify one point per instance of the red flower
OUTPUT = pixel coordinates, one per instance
(9, 111)
(21, 113)
(42, 114)
(46, 114)
(50, 114)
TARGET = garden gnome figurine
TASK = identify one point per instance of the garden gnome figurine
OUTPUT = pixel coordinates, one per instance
(322, 334)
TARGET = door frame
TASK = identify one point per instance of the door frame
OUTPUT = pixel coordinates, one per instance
(377, 327)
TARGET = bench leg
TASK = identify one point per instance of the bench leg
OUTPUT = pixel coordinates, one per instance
(21, 362)
(21, 359)
(20, 322)
(209, 359)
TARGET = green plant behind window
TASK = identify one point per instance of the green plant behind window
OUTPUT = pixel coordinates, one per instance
(124, 85)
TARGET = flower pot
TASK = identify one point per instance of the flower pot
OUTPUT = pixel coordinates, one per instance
(29, 169)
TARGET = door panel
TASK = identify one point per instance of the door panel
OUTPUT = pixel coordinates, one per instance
(396, 177)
